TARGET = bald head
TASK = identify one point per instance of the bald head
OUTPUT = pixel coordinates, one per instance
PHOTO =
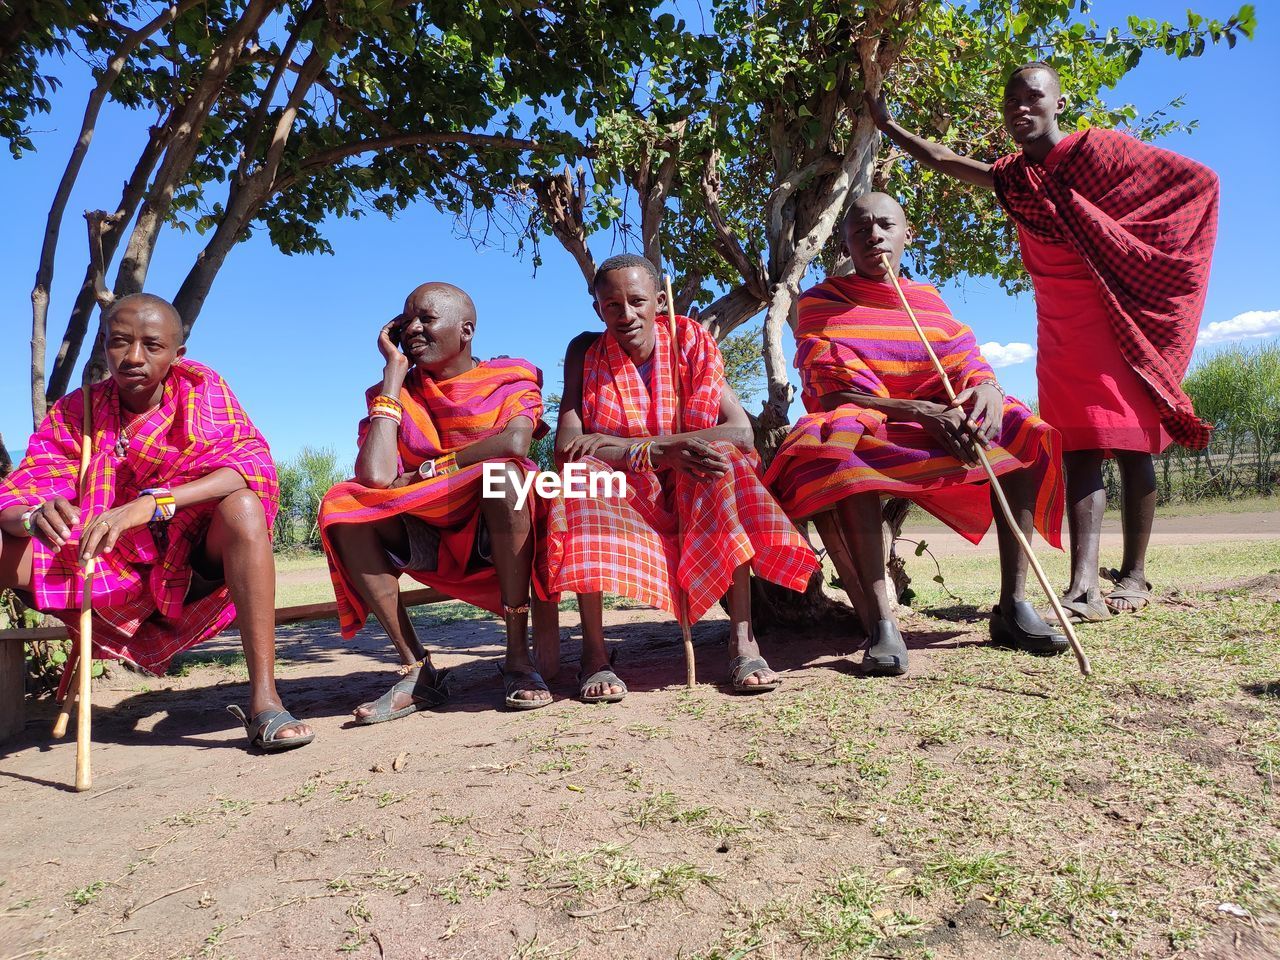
(447, 296)
(874, 228)
(146, 304)
(436, 328)
(141, 337)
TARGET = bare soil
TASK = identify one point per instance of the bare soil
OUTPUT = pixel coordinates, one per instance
(676, 824)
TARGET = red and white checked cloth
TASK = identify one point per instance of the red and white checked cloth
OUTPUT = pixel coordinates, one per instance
(630, 546)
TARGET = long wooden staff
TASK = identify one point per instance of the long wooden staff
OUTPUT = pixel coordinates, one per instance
(82, 675)
(682, 601)
(1081, 658)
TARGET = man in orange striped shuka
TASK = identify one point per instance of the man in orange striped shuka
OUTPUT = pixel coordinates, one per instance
(879, 423)
(423, 503)
(695, 520)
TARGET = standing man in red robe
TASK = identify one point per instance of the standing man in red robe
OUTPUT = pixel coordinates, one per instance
(1117, 236)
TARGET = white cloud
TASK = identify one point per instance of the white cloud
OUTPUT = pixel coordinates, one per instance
(1243, 326)
(1007, 354)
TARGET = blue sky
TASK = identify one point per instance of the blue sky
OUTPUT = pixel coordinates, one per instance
(295, 335)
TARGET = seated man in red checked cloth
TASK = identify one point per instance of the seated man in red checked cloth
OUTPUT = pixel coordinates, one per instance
(436, 421)
(695, 519)
(1117, 236)
(178, 506)
(879, 422)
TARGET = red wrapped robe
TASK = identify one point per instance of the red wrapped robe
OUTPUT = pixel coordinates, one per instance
(441, 417)
(1117, 236)
(630, 546)
(141, 613)
(853, 335)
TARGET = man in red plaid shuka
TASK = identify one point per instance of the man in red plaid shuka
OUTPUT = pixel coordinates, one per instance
(177, 509)
(695, 519)
(1117, 236)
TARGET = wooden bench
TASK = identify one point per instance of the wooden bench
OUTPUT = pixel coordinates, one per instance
(13, 669)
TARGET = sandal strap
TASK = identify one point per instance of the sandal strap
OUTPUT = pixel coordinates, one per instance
(604, 676)
(516, 680)
(742, 667)
(263, 727)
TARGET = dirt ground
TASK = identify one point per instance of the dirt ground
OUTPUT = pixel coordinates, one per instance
(836, 817)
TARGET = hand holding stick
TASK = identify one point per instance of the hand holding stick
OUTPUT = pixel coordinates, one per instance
(1081, 658)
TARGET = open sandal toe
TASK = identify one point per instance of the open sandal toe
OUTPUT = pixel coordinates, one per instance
(740, 668)
(425, 695)
(263, 729)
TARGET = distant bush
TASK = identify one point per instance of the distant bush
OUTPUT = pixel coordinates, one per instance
(1237, 389)
(304, 480)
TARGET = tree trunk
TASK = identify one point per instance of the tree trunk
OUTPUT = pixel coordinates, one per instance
(132, 274)
(245, 200)
(53, 224)
(113, 229)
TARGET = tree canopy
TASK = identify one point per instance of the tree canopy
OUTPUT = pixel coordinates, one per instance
(723, 142)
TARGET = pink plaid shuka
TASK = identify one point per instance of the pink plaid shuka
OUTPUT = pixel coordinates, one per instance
(630, 546)
(141, 613)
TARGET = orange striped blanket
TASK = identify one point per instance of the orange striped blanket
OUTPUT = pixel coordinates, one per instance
(441, 417)
(629, 546)
(853, 335)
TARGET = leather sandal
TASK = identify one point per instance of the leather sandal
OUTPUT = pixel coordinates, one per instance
(263, 726)
(742, 667)
(425, 696)
(886, 656)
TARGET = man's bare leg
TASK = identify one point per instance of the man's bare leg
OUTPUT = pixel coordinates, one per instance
(239, 544)
(511, 532)
(595, 657)
(1138, 506)
(742, 639)
(1016, 622)
(860, 520)
(363, 549)
(1086, 501)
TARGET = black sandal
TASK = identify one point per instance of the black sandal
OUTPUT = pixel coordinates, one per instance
(742, 667)
(425, 696)
(516, 681)
(604, 677)
(886, 655)
(263, 727)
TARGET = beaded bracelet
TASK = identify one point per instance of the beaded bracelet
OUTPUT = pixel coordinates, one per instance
(166, 506)
(386, 407)
(640, 457)
(27, 523)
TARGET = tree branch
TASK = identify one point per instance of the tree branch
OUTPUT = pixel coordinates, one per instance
(53, 225)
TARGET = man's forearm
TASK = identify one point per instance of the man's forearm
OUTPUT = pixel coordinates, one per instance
(214, 486)
(897, 410)
(939, 157)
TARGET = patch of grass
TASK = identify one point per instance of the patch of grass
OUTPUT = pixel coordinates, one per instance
(84, 896)
(611, 867)
(849, 917)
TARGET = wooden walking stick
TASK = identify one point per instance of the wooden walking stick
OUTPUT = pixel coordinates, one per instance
(82, 675)
(1081, 658)
(682, 605)
(78, 684)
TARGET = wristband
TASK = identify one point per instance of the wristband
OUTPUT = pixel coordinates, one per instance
(166, 506)
(386, 407)
(27, 525)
